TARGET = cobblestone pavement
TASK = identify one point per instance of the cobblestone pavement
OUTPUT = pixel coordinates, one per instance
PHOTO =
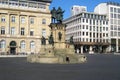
(98, 67)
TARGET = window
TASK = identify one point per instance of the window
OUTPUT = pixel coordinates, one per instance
(90, 34)
(3, 19)
(83, 20)
(97, 35)
(93, 34)
(115, 16)
(103, 22)
(90, 22)
(90, 28)
(97, 28)
(86, 20)
(115, 10)
(111, 9)
(103, 28)
(103, 34)
(115, 33)
(106, 35)
(22, 44)
(31, 33)
(112, 21)
(22, 19)
(100, 29)
(44, 21)
(44, 32)
(118, 10)
(42, 6)
(112, 27)
(112, 33)
(87, 27)
(83, 27)
(93, 22)
(119, 34)
(31, 20)
(2, 44)
(12, 30)
(83, 33)
(119, 16)
(111, 15)
(32, 45)
(2, 30)
(93, 28)
(22, 31)
(86, 33)
(13, 19)
(106, 28)
(97, 22)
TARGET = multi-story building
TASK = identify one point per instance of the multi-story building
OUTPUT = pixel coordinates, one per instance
(89, 31)
(112, 10)
(22, 25)
(78, 9)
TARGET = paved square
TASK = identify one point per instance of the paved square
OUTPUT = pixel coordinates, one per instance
(98, 67)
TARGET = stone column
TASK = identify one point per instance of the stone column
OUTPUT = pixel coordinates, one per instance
(90, 50)
(116, 45)
(81, 49)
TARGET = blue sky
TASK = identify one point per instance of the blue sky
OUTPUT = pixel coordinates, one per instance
(67, 4)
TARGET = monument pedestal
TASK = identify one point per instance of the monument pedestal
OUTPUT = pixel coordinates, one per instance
(59, 52)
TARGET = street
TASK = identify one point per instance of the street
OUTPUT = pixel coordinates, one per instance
(98, 67)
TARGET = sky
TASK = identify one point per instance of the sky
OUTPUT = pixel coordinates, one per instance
(67, 4)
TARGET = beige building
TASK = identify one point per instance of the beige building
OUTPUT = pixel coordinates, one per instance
(22, 25)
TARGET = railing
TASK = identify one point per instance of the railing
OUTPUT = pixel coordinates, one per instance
(21, 5)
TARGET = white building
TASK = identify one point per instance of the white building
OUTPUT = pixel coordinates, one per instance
(112, 10)
(90, 32)
(78, 9)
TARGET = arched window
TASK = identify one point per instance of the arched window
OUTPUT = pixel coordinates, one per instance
(32, 45)
(22, 44)
(2, 44)
(43, 21)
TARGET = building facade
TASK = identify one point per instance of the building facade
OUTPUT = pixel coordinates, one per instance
(22, 25)
(112, 10)
(78, 9)
(90, 32)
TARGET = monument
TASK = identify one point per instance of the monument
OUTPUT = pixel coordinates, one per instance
(57, 50)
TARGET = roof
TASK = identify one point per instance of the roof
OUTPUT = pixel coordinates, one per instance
(48, 1)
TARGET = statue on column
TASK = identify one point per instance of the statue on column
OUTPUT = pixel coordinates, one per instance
(57, 15)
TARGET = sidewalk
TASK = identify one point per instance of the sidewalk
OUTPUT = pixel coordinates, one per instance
(3, 56)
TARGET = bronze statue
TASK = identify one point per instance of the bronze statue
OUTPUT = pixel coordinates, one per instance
(57, 15)
(60, 36)
(53, 12)
(43, 40)
(51, 39)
